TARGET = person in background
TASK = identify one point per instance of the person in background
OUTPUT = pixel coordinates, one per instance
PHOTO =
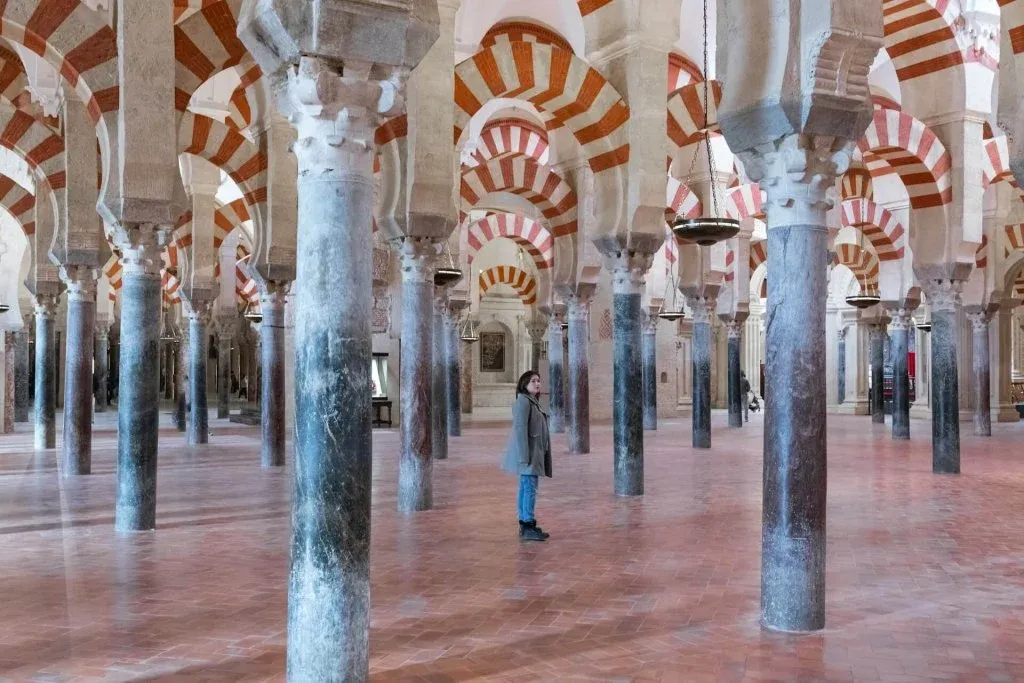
(745, 388)
(528, 453)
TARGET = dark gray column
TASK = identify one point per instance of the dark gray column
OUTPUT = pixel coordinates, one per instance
(578, 314)
(944, 298)
(466, 359)
(415, 461)
(46, 371)
(139, 390)
(101, 366)
(980, 364)
(254, 371)
(224, 369)
(628, 271)
(735, 388)
(81, 330)
(453, 365)
(329, 581)
(841, 365)
(650, 371)
(902, 324)
(703, 309)
(877, 357)
(10, 344)
(556, 406)
(181, 409)
(167, 362)
(439, 382)
(21, 374)
(198, 412)
(272, 396)
(536, 331)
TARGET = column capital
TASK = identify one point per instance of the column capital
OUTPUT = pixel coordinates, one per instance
(81, 283)
(902, 319)
(979, 317)
(876, 329)
(417, 257)
(703, 308)
(273, 293)
(142, 247)
(46, 304)
(943, 294)
(734, 328)
(628, 269)
(200, 310)
(537, 331)
(841, 332)
(796, 171)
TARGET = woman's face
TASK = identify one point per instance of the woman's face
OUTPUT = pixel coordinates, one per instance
(533, 386)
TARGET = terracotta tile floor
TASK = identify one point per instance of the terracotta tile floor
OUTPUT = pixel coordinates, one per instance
(925, 573)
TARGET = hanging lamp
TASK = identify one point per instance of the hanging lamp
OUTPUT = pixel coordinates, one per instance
(448, 274)
(864, 299)
(675, 311)
(468, 333)
(252, 314)
(926, 324)
(4, 308)
(706, 230)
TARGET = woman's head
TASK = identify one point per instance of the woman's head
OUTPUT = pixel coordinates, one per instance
(529, 383)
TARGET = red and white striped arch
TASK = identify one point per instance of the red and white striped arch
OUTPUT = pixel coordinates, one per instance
(14, 89)
(981, 254)
(391, 139)
(681, 201)
(758, 254)
(590, 6)
(1014, 237)
(112, 269)
(882, 229)
(745, 201)
(540, 185)
(896, 142)
(248, 102)
(533, 236)
(996, 163)
(511, 137)
(682, 71)
(862, 262)
(670, 249)
(41, 149)
(687, 110)
(856, 184)
(920, 38)
(521, 281)
(205, 44)
(20, 203)
(563, 87)
(523, 32)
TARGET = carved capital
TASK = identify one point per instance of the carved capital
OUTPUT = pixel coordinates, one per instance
(418, 256)
(578, 309)
(200, 310)
(46, 305)
(734, 328)
(703, 308)
(81, 283)
(943, 294)
(628, 269)
(979, 318)
(902, 319)
(142, 247)
(273, 294)
(841, 333)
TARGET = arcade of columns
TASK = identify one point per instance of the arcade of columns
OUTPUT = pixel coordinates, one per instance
(292, 165)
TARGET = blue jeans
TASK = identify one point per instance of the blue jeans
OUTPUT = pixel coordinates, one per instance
(527, 496)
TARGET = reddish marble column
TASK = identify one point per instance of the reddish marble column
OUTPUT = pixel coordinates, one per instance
(10, 343)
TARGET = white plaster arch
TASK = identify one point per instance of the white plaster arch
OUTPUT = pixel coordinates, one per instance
(14, 262)
(882, 78)
(476, 17)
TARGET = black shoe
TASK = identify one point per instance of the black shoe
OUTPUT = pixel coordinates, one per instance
(528, 531)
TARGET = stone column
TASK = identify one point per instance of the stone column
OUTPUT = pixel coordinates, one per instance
(81, 326)
(199, 414)
(1002, 376)
(21, 372)
(980, 319)
(628, 269)
(556, 406)
(902, 324)
(101, 365)
(877, 373)
(736, 397)
(439, 383)
(224, 368)
(453, 365)
(536, 344)
(703, 309)
(415, 461)
(650, 371)
(46, 369)
(466, 354)
(841, 363)
(181, 407)
(10, 343)
(944, 299)
(578, 314)
(138, 405)
(272, 396)
(254, 370)
(167, 362)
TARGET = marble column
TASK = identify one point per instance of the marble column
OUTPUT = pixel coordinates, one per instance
(649, 353)
(272, 395)
(254, 371)
(944, 300)
(453, 365)
(415, 460)
(198, 415)
(46, 369)
(466, 354)
(536, 345)
(224, 370)
(578, 314)
(167, 362)
(21, 376)
(703, 310)
(101, 365)
(10, 345)
(902, 324)
(138, 405)
(556, 406)
(877, 373)
(841, 364)
(628, 270)
(181, 407)
(78, 396)
(736, 397)
(980, 319)
(439, 378)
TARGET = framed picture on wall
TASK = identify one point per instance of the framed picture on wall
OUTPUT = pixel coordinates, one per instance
(492, 352)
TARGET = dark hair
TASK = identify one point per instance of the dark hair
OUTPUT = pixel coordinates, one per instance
(524, 379)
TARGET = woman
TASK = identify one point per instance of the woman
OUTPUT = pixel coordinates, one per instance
(529, 452)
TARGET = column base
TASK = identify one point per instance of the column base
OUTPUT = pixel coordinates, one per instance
(1006, 412)
(920, 412)
(854, 408)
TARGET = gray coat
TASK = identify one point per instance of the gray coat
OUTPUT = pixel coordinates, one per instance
(529, 444)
